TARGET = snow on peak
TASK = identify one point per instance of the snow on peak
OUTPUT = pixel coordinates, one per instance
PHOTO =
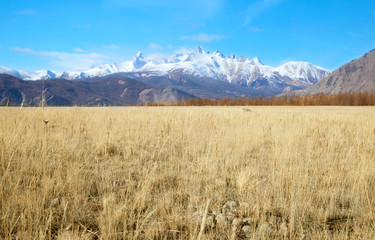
(295, 66)
(139, 55)
(139, 61)
(10, 71)
(199, 49)
(197, 62)
(256, 61)
(26, 75)
(302, 71)
(177, 57)
(219, 54)
(197, 53)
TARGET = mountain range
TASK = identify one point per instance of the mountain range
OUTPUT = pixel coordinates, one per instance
(190, 74)
(197, 64)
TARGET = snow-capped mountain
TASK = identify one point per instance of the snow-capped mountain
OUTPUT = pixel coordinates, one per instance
(199, 64)
(41, 74)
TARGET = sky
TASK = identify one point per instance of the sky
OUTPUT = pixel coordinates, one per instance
(76, 35)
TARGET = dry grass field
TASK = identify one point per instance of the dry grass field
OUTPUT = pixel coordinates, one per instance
(187, 173)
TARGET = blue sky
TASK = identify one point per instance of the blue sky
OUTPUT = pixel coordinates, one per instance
(74, 35)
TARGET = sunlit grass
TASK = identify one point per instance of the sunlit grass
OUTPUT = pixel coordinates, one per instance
(148, 172)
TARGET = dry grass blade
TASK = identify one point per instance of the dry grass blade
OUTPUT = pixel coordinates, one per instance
(203, 225)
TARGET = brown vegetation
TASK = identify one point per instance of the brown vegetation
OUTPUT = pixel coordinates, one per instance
(151, 173)
(342, 99)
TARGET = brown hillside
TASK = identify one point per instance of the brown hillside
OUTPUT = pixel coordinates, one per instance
(109, 90)
(355, 76)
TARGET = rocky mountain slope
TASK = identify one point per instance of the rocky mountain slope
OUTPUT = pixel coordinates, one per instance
(103, 91)
(355, 76)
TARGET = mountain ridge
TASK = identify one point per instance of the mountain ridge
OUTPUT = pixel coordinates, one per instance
(118, 91)
(199, 63)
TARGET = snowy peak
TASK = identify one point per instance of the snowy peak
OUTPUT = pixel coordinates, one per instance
(138, 61)
(139, 55)
(177, 57)
(199, 49)
(256, 61)
(219, 54)
(197, 53)
(302, 71)
(295, 65)
(25, 75)
(9, 71)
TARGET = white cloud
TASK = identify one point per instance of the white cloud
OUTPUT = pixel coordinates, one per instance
(155, 56)
(155, 46)
(64, 60)
(112, 46)
(182, 51)
(84, 26)
(198, 8)
(169, 46)
(26, 12)
(78, 50)
(22, 50)
(255, 29)
(257, 8)
(203, 37)
(211, 4)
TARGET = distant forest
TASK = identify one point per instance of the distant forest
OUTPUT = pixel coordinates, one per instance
(342, 99)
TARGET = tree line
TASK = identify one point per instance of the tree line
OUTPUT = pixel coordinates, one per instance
(341, 99)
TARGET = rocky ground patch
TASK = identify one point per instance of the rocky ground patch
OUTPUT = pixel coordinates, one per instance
(236, 218)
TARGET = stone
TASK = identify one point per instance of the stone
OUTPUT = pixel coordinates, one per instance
(210, 222)
(221, 221)
(283, 229)
(245, 205)
(247, 222)
(196, 216)
(191, 207)
(230, 217)
(216, 211)
(266, 229)
(231, 206)
(237, 223)
(246, 230)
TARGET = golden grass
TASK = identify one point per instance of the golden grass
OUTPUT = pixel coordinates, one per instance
(149, 172)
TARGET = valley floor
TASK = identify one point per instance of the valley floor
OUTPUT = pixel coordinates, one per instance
(158, 172)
